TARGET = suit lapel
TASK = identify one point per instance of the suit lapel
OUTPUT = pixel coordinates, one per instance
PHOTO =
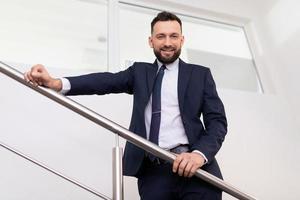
(151, 74)
(184, 73)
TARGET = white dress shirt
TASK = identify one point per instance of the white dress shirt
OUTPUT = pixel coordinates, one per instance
(171, 132)
(66, 86)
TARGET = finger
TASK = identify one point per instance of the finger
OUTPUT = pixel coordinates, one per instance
(176, 163)
(36, 72)
(193, 171)
(188, 169)
(34, 84)
(182, 167)
(26, 77)
(30, 78)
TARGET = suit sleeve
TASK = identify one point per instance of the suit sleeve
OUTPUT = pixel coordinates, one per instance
(102, 83)
(214, 120)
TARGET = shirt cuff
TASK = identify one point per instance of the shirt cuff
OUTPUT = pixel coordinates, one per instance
(66, 86)
(199, 152)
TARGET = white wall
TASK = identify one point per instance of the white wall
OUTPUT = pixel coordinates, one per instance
(260, 153)
(279, 32)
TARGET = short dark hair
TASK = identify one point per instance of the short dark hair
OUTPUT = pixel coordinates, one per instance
(165, 16)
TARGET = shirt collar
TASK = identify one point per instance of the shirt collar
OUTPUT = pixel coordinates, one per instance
(172, 66)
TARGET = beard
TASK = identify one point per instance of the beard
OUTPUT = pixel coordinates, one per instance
(164, 59)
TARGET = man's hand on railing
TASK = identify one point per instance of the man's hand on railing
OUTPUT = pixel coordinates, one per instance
(38, 75)
(186, 164)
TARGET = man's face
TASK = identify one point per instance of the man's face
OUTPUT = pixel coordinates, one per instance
(166, 41)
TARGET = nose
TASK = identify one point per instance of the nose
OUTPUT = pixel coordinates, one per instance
(167, 41)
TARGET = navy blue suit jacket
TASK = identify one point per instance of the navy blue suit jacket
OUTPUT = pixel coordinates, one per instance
(197, 96)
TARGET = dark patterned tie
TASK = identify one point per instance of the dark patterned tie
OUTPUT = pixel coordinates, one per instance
(156, 106)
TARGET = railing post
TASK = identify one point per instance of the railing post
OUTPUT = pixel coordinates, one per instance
(117, 171)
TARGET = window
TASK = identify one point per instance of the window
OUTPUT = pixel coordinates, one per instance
(69, 34)
(134, 32)
(222, 48)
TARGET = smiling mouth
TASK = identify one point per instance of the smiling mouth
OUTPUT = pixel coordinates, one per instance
(168, 51)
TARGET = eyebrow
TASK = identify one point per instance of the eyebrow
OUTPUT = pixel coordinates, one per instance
(174, 33)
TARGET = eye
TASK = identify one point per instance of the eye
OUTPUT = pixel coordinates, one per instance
(160, 37)
(174, 36)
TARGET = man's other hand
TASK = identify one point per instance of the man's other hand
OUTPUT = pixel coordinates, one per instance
(186, 164)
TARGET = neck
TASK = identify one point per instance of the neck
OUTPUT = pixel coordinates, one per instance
(167, 64)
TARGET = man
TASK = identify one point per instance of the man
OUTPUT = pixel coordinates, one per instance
(169, 97)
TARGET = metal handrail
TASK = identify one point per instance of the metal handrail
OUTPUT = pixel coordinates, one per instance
(123, 132)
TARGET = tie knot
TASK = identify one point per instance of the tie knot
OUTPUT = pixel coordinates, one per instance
(162, 68)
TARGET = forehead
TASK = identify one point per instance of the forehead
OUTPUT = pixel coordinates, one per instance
(166, 27)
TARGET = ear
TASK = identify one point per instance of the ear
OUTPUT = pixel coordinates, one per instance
(182, 40)
(150, 41)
